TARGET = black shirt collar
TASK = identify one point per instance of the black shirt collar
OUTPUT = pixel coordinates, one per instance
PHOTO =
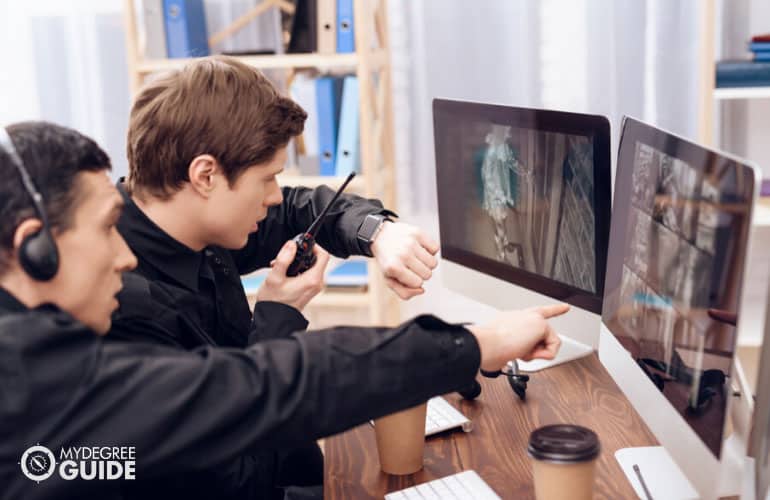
(9, 303)
(154, 246)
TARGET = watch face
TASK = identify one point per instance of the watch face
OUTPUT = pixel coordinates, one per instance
(370, 225)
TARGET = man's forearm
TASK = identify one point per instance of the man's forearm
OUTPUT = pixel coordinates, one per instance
(299, 209)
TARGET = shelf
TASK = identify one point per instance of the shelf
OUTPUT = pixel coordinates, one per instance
(331, 298)
(320, 61)
(742, 93)
(293, 179)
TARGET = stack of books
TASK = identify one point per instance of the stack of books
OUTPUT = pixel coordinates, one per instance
(753, 72)
(760, 47)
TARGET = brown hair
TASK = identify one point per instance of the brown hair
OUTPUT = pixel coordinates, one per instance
(215, 105)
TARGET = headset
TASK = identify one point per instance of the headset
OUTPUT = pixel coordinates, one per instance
(38, 254)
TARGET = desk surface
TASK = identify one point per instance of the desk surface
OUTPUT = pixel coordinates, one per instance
(580, 392)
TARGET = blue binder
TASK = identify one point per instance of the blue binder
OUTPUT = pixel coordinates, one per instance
(185, 28)
(348, 151)
(328, 92)
(345, 40)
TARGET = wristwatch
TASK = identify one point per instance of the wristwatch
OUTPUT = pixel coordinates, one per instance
(368, 231)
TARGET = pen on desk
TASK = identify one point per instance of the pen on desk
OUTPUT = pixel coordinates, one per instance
(641, 481)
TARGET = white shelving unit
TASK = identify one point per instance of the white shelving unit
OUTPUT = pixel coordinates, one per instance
(742, 93)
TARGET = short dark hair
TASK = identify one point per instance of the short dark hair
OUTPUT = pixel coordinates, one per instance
(215, 105)
(53, 155)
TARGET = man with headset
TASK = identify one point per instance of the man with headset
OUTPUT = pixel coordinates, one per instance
(61, 263)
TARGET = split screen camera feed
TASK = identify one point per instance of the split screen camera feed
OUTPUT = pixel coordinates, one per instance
(677, 251)
(528, 199)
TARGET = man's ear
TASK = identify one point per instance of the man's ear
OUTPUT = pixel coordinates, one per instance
(203, 172)
(23, 230)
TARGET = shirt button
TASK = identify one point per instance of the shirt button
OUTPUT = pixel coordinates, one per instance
(459, 342)
(217, 260)
(226, 271)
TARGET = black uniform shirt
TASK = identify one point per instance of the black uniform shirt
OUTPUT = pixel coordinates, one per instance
(186, 411)
(197, 297)
(181, 297)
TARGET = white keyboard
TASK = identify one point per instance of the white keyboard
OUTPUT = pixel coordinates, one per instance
(465, 485)
(441, 416)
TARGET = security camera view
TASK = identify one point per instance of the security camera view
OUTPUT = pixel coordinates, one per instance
(674, 307)
(532, 200)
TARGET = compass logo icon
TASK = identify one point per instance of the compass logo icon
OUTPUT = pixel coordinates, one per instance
(38, 463)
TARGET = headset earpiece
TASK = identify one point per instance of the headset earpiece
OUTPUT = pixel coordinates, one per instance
(39, 256)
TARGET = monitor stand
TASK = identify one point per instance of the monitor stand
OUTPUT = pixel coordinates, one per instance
(570, 350)
(666, 481)
(662, 477)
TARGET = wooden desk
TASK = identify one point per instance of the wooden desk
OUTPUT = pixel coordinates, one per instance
(580, 392)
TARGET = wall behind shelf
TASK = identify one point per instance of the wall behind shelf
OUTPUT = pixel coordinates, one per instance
(742, 125)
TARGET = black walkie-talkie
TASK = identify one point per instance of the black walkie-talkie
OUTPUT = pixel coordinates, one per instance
(305, 258)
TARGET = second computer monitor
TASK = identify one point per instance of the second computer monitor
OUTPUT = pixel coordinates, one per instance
(524, 207)
(677, 253)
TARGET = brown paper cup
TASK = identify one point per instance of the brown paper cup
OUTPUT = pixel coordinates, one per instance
(564, 461)
(401, 440)
(556, 481)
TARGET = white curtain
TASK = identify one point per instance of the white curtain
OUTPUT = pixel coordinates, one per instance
(609, 57)
(65, 61)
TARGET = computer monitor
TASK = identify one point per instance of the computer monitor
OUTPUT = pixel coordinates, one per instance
(678, 247)
(524, 210)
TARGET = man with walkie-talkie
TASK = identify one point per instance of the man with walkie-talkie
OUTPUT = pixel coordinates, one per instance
(203, 208)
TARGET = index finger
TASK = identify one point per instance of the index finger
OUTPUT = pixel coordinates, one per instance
(552, 310)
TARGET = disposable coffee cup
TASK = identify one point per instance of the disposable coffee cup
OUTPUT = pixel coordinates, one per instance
(401, 440)
(564, 461)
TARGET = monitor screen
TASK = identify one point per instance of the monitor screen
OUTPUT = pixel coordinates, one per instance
(524, 195)
(678, 241)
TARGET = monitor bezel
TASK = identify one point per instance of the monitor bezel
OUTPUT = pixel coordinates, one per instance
(595, 126)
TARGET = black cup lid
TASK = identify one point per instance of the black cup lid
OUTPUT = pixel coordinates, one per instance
(563, 443)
